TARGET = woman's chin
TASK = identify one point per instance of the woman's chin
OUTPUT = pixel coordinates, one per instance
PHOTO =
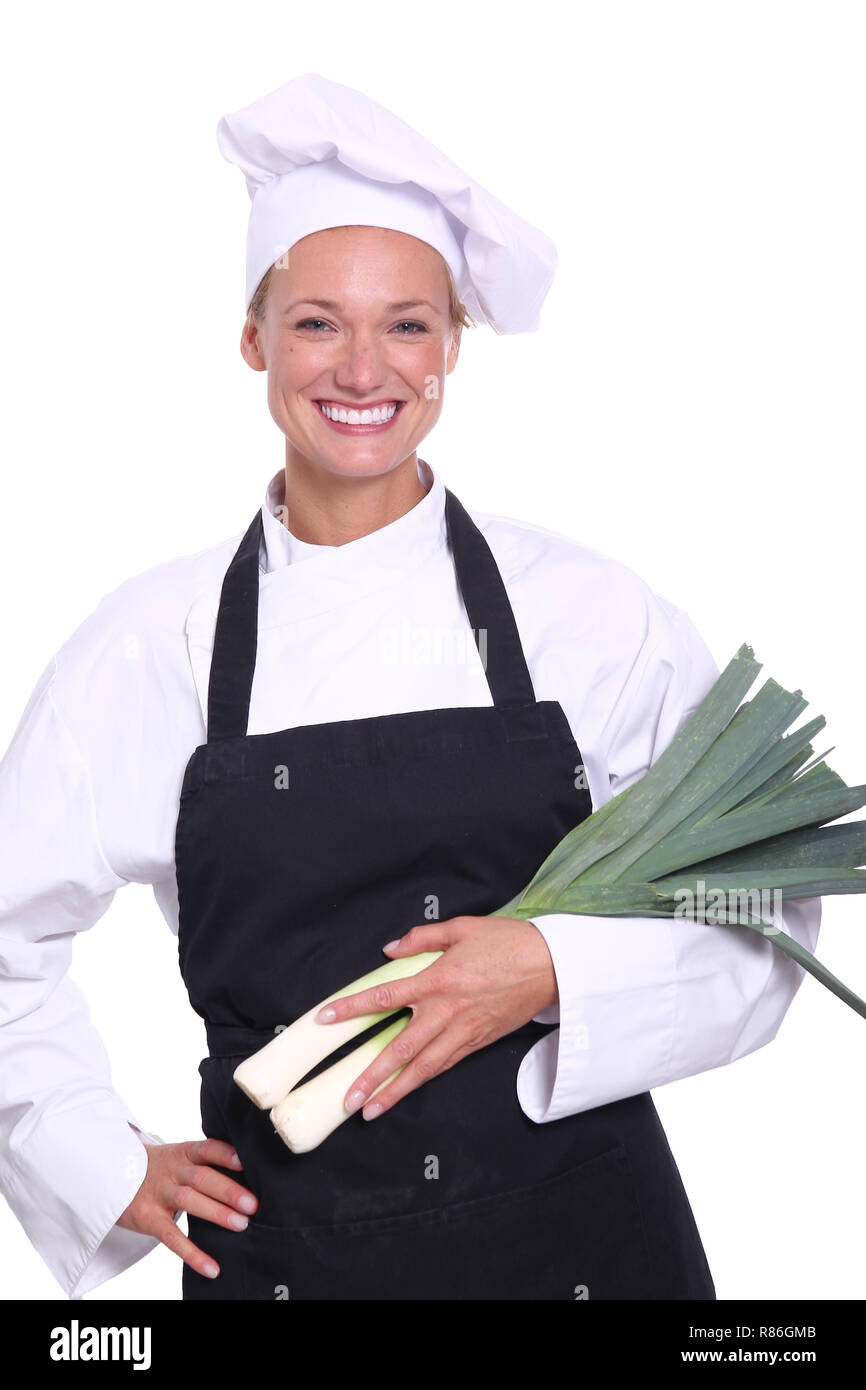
(358, 461)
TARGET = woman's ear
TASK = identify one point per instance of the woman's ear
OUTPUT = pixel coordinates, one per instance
(251, 350)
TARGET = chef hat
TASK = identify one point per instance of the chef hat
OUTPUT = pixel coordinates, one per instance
(316, 154)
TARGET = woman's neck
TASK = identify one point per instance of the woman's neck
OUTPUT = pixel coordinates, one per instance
(324, 509)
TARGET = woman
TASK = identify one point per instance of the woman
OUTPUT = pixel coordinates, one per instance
(329, 791)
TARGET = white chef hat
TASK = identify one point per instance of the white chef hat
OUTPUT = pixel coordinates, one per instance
(316, 154)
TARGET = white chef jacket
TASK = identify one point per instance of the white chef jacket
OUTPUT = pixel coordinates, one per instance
(89, 793)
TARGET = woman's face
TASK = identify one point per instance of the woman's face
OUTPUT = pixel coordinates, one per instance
(357, 320)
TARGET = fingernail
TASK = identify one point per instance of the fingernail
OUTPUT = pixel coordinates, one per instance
(355, 1100)
(372, 1111)
(247, 1204)
(236, 1162)
(326, 1016)
(238, 1222)
(391, 945)
(211, 1270)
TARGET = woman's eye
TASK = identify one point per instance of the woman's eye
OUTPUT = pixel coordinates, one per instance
(408, 327)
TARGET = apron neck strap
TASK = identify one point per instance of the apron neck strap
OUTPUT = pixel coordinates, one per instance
(481, 587)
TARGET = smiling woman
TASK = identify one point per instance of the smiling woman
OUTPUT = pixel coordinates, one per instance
(298, 798)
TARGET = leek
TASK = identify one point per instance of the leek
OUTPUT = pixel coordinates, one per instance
(731, 809)
(311, 1112)
(271, 1072)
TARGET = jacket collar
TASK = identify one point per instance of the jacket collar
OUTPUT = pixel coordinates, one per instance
(389, 548)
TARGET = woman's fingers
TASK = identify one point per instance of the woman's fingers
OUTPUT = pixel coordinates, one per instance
(198, 1175)
(427, 936)
(213, 1151)
(401, 994)
(180, 1177)
(217, 1197)
(402, 1051)
(193, 1198)
(171, 1236)
(429, 1061)
(396, 994)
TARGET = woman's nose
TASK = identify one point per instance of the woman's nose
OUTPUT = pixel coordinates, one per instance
(361, 365)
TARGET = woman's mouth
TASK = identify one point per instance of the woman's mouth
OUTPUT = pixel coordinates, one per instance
(372, 418)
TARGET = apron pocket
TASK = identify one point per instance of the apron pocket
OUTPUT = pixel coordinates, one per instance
(578, 1235)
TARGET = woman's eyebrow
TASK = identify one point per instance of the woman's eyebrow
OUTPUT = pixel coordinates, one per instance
(398, 307)
(410, 304)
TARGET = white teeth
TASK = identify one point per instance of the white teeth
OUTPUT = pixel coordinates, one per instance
(379, 415)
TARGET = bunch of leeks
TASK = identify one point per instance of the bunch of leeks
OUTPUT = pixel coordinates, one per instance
(731, 812)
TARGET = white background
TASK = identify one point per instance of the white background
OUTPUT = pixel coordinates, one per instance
(693, 406)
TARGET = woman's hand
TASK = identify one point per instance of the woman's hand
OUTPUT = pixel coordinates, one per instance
(495, 974)
(178, 1179)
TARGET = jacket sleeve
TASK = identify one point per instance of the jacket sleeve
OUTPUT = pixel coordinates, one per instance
(71, 1153)
(644, 1000)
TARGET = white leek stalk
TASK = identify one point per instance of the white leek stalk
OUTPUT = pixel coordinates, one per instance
(311, 1112)
(271, 1072)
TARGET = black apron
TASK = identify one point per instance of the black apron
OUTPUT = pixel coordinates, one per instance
(298, 855)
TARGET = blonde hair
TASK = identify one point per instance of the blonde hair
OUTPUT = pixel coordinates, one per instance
(458, 314)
